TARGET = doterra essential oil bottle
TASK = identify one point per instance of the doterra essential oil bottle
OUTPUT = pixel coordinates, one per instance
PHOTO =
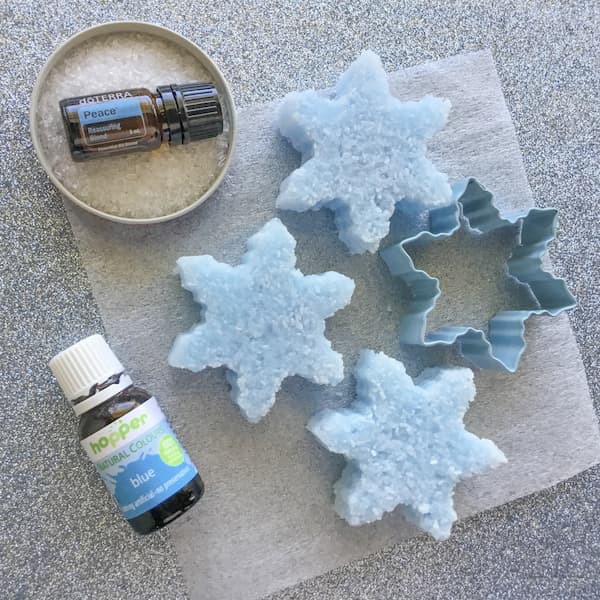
(136, 119)
(127, 437)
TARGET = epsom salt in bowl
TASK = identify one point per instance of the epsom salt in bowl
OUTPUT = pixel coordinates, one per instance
(140, 187)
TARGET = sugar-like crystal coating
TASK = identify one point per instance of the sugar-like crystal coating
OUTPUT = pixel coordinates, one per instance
(405, 443)
(263, 319)
(363, 151)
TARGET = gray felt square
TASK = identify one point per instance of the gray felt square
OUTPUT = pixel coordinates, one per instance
(266, 520)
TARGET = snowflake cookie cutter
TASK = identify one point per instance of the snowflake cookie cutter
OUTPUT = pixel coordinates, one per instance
(501, 348)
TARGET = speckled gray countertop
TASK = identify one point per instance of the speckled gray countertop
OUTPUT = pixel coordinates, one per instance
(58, 539)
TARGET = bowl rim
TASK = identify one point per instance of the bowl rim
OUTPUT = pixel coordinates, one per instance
(133, 27)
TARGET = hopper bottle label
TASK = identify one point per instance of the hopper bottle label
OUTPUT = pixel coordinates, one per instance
(140, 460)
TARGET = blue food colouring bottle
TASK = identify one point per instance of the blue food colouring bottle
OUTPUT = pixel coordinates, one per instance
(127, 437)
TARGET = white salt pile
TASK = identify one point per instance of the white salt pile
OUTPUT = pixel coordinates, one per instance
(138, 185)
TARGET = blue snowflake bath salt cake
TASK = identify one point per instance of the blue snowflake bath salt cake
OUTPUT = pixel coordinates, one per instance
(363, 151)
(405, 443)
(263, 319)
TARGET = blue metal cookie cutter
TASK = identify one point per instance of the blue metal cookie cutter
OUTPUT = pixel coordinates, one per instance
(502, 348)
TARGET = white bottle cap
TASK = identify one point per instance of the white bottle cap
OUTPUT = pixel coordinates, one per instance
(83, 365)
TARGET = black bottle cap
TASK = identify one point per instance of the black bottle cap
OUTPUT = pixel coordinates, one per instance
(192, 111)
(200, 110)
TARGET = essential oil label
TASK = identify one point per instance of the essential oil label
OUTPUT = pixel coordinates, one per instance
(140, 460)
(112, 121)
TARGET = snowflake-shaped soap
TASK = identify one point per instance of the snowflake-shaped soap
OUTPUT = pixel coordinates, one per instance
(263, 319)
(405, 443)
(363, 150)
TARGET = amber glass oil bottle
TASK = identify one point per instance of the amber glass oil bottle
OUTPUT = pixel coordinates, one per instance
(138, 120)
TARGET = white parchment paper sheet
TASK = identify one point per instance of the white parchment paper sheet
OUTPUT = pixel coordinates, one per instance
(266, 520)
